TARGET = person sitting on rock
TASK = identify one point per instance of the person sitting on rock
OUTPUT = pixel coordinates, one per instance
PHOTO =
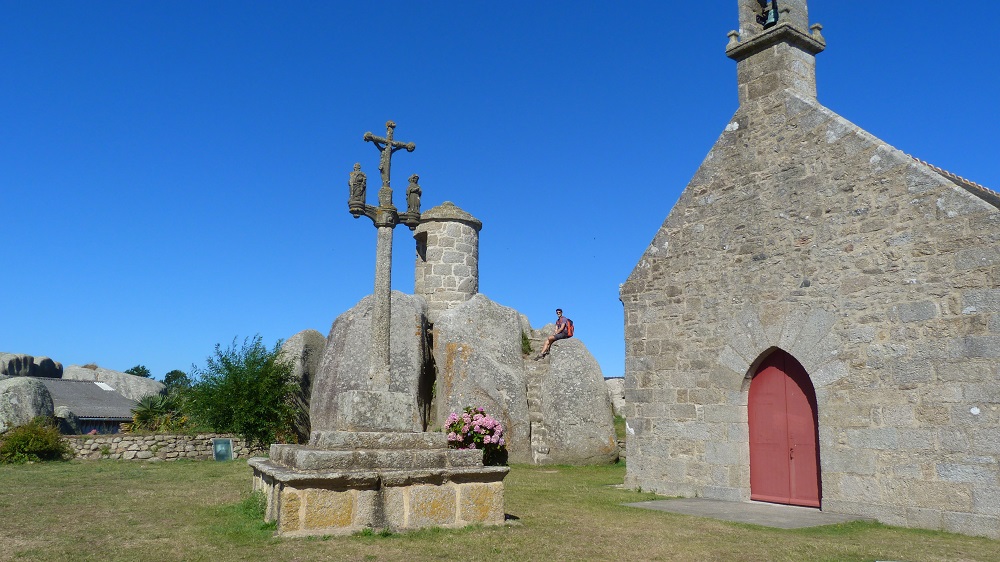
(564, 329)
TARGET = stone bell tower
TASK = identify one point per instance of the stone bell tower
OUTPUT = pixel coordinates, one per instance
(775, 48)
(447, 268)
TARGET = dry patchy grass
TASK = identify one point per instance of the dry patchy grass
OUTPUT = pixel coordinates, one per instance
(107, 510)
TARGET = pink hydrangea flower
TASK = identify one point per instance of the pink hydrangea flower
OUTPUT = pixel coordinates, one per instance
(473, 428)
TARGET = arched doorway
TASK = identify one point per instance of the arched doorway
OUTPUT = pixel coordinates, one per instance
(784, 443)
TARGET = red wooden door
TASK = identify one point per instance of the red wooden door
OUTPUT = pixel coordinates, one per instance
(784, 454)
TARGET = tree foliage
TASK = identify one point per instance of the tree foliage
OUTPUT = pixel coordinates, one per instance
(176, 380)
(245, 390)
(140, 371)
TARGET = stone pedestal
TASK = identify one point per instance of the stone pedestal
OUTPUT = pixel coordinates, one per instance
(365, 410)
(345, 481)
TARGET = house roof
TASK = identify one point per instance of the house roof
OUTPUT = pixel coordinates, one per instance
(89, 399)
(983, 192)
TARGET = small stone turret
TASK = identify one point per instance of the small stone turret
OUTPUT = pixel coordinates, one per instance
(775, 48)
(447, 268)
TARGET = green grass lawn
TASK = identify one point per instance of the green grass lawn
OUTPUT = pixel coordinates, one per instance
(109, 510)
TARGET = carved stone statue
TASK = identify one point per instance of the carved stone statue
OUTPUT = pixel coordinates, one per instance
(413, 193)
(358, 183)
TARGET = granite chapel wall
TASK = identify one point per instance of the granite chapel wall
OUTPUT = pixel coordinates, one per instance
(879, 273)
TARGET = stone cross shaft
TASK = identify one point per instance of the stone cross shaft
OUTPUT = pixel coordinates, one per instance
(385, 219)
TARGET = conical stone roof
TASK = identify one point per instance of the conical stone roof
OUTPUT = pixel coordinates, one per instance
(449, 212)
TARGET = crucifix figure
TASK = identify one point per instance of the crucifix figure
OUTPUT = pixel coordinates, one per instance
(387, 147)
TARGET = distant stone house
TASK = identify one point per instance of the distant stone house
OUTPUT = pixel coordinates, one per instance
(84, 406)
(817, 322)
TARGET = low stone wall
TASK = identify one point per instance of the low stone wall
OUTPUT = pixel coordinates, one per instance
(152, 447)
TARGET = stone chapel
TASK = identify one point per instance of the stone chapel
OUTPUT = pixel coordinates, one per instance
(817, 321)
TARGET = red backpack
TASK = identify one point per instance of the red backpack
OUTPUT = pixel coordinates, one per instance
(569, 328)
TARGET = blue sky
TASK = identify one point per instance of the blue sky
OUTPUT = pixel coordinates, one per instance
(174, 174)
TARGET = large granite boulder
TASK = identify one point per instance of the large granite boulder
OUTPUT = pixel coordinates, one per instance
(129, 386)
(21, 400)
(553, 411)
(616, 391)
(69, 424)
(16, 365)
(575, 405)
(477, 351)
(46, 367)
(21, 365)
(304, 350)
(344, 370)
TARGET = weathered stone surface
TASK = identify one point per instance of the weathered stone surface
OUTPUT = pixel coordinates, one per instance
(481, 503)
(290, 515)
(304, 350)
(329, 509)
(477, 351)
(447, 266)
(309, 458)
(21, 365)
(576, 408)
(21, 400)
(318, 502)
(129, 386)
(15, 365)
(161, 447)
(877, 272)
(46, 367)
(68, 422)
(377, 440)
(432, 506)
(616, 391)
(344, 369)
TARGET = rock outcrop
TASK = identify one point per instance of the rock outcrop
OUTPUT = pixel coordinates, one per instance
(69, 424)
(575, 408)
(304, 350)
(553, 411)
(21, 400)
(129, 386)
(616, 391)
(477, 352)
(21, 365)
(345, 364)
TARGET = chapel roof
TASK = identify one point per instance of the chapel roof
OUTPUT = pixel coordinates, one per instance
(981, 191)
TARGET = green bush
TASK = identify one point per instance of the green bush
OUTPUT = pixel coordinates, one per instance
(38, 440)
(158, 412)
(245, 390)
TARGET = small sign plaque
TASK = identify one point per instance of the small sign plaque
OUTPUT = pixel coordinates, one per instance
(222, 449)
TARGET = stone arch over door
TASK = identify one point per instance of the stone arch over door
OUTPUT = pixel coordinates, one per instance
(783, 422)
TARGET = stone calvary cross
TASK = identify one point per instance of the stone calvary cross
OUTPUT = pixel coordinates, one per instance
(370, 463)
(385, 218)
